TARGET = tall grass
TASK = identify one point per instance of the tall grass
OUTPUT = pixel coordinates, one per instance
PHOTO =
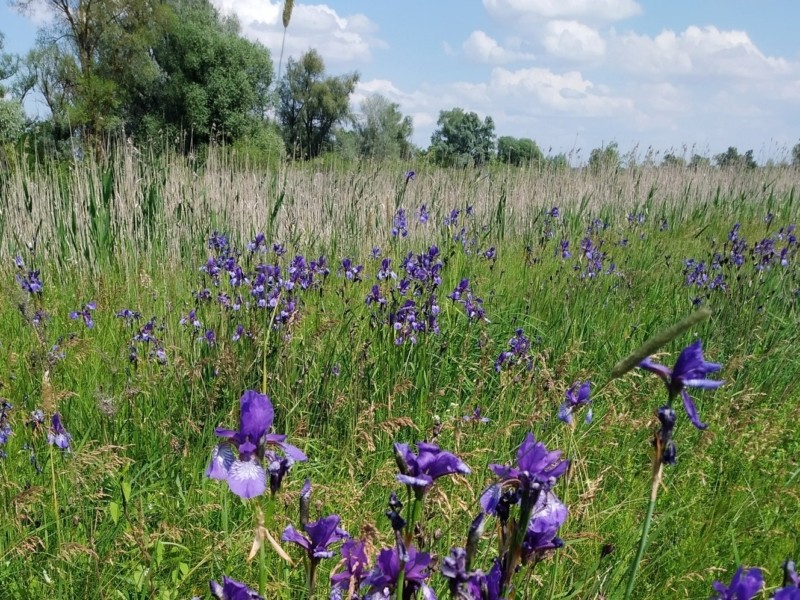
(134, 517)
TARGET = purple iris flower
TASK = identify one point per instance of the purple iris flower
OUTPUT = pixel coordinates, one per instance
(536, 466)
(791, 583)
(690, 370)
(354, 563)
(128, 315)
(744, 586)
(431, 463)
(85, 313)
(423, 215)
(246, 475)
(232, 590)
(573, 399)
(320, 536)
(58, 436)
(30, 282)
(400, 224)
(476, 417)
(548, 515)
(410, 176)
(387, 568)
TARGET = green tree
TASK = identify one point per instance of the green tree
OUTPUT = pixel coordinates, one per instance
(211, 81)
(383, 132)
(518, 151)
(796, 155)
(673, 160)
(311, 105)
(605, 158)
(12, 117)
(699, 162)
(77, 58)
(462, 138)
(732, 158)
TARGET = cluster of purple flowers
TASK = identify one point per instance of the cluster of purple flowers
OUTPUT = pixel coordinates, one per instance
(472, 304)
(400, 224)
(29, 279)
(519, 353)
(85, 313)
(746, 585)
(5, 427)
(146, 337)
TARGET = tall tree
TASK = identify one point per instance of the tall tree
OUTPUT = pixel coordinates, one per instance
(462, 138)
(518, 151)
(383, 131)
(12, 117)
(78, 57)
(310, 105)
(604, 158)
(212, 81)
(796, 155)
(732, 158)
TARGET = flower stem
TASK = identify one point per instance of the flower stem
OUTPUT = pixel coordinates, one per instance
(657, 472)
(413, 516)
(56, 512)
(262, 569)
(311, 576)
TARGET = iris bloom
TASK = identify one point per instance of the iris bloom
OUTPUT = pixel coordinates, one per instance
(320, 536)
(549, 514)
(536, 467)
(387, 570)
(690, 370)
(85, 313)
(573, 399)
(58, 436)
(246, 475)
(421, 470)
(354, 562)
(744, 586)
(232, 590)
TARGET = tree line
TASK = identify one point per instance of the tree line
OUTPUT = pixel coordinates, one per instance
(180, 72)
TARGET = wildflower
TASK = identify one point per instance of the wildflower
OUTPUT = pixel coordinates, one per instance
(790, 590)
(30, 282)
(246, 476)
(85, 313)
(58, 436)
(354, 563)
(320, 536)
(375, 297)
(744, 586)
(386, 270)
(690, 370)
(232, 590)
(127, 314)
(350, 271)
(490, 254)
(574, 399)
(420, 471)
(554, 212)
(410, 176)
(5, 428)
(548, 515)
(663, 441)
(400, 224)
(423, 215)
(387, 569)
(519, 352)
(537, 467)
(476, 417)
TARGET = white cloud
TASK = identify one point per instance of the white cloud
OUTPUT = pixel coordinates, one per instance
(572, 40)
(524, 12)
(696, 51)
(339, 39)
(481, 48)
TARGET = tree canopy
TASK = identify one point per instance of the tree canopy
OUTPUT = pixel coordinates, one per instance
(462, 138)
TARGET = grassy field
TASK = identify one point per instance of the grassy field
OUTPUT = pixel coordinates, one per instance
(129, 512)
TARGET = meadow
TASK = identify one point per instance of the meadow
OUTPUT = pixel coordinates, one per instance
(143, 295)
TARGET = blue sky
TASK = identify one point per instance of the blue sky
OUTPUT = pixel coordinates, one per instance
(680, 75)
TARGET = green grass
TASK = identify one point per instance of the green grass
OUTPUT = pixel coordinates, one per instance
(129, 513)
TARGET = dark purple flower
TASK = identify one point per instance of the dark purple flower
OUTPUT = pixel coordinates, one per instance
(375, 297)
(744, 586)
(476, 417)
(350, 271)
(354, 565)
(790, 590)
(663, 441)
(85, 313)
(410, 176)
(400, 224)
(548, 515)
(320, 536)
(387, 569)
(58, 436)
(246, 476)
(386, 270)
(490, 254)
(431, 463)
(423, 215)
(232, 590)
(30, 282)
(127, 314)
(573, 399)
(690, 370)
(536, 466)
